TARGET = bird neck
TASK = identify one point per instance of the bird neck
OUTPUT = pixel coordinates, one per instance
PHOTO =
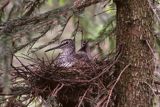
(68, 51)
(82, 49)
(86, 50)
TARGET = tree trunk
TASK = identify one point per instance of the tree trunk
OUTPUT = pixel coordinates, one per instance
(134, 33)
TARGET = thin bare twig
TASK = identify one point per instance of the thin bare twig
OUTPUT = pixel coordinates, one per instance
(150, 87)
(150, 47)
(107, 69)
(32, 7)
(110, 93)
(32, 41)
(54, 39)
(79, 105)
(57, 89)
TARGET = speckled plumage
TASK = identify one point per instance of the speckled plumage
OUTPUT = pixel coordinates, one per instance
(66, 58)
(69, 57)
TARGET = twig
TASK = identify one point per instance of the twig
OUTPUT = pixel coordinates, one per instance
(102, 12)
(32, 6)
(32, 41)
(54, 39)
(100, 102)
(57, 89)
(79, 105)
(150, 88)
(107, 69)
(110, 93)
(16, 91)
(149, 47)
(104, 71)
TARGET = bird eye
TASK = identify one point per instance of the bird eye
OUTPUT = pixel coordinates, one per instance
(84, 43)
(66, 42)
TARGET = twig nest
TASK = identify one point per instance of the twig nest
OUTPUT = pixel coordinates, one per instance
(66, 84)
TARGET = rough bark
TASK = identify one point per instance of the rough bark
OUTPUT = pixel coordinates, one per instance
(134, 33)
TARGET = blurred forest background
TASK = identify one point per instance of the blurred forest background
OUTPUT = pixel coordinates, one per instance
(29, 39)
(95, 24)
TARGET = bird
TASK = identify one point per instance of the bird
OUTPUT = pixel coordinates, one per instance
(84, 51)
(68, 56)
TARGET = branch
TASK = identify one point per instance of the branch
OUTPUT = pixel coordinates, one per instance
(16, 91)
(38, 23)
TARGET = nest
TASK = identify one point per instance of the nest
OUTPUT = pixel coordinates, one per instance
(84, 84)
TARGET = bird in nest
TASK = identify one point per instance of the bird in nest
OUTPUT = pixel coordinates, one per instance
(69, 57)
(84, 51)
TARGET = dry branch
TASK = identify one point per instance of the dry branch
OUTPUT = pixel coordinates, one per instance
(38, 23)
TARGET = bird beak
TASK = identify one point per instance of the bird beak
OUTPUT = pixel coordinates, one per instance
(55, 47)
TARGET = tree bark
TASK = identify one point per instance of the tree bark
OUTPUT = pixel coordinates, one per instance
(134, 33)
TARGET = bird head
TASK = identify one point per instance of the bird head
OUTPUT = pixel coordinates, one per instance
(84, 46)
(65, 44)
